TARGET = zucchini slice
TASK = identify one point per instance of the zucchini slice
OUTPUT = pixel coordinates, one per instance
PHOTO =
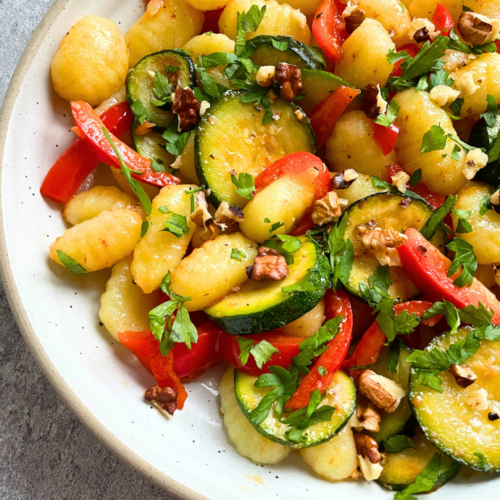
(265, 52)
(449, 420)
(342, 397)
(395, 422)
(318, 85)
(261, 306)
(230, 137)
(140, 81)
(401, 468)
(151, 146)
(386, 210)
(488, 138)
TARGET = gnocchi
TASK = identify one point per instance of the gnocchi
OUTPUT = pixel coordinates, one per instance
(308, 324)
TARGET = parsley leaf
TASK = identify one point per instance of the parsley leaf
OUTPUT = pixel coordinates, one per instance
(448, 310)
(463, 225)
(341, 253)
(176, 141)
(217, 59)
(245, 184)
(262, 351)
(322, 371)
(379, 183)
(433, 140)
(141, 112)
(304, 285)
(158, 165)
(237, 254)
(485, 205)
(176, 224)
(477, 316)
(393, 355)
(290, 243)
(424, 482)
(162, 89)
(429, 229)
(395, 444)
(465, 258)
(69, 263)
(245, 346)
(380, 282)
(416, 177)
(440, 77)
(144, 228)
(279, 44)
(389, 118)
(490, 116)
(456, 106)
(251, 20)
(275, 226)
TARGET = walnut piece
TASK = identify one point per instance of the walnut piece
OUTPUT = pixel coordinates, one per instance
(162, 398)
(464, 376)
(206, 233)
(381, 391)
(474, 161)
(383, 243)
(366, 416)
(327, 209)
(186, 107)
(400, 180)
(289, 79)
(269, 265)
(265, 76)
(344, 179)
(422, 35)
(370, 100)
(227, 214)
(466, 85)
(474, 28)
(201, 215)
(479, 400)
(455, 59)
(444, 95)
(204, 106)
(353, 16)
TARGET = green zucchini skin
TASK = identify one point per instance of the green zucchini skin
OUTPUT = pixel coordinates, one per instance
(151, 146)
(279, 310)
(485, 137)
(385, 209)
(445, 418)
(140, 83)
(317, 85)
(230, 136)
(344, 402)
(298, 54)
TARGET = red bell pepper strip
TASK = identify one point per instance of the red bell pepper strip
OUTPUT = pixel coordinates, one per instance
(386, 136)
(164, 371)
(211, 22)
(442, 20)
(91, 126)
(327, 113)
(288, 347)
(428, 268)
(368, 349)
(497, 43)
(138, 343)
(434, 200)
(72, 168)
(329, 28)
(331, 360)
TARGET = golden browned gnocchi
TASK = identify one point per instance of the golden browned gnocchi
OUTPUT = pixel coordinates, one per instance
(249, 443)
(490, 8)
(100, 242)
(307, 7)
(92, 61)
(185, 162)
(365, 56)
(441, 173)
(91, 203)
(205, 5)
(279, 20)
(285, 200)
(212, 271)
(172, 26)
(124, 306)
(477, 80)
(426, 8)
(308, 324)
(485, 237)
(160, 251)
(352, 145)
(151, 191)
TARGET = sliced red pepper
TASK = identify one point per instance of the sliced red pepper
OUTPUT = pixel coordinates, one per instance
(497, 43)
(138, 343)
(428, 268)
(368, 349)
(164, 371)
(331, 360)
(288, 347)
(386, 136)
(72, 168)
(442, 20)
(434, 200)
(211, 22)
(91, 126)
(327, 113)
(329, 28)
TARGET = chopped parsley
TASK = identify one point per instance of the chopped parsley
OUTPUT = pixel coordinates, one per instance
(176, 224)
(69, 263)
(465, 259)
(436, 219)
(390, 117)
(237, 254)
(463, 225)
(262, 352)
(245, 184)
(433, 140)
(490, 116)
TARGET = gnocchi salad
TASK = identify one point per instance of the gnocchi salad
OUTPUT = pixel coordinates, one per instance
(308, 192)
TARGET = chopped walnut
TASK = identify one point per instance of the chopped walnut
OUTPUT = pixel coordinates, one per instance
(164, 399)
(479, 400)
(206, 233)
(381, 391)
(478, 29)
(422, 35)
(269, 265)
(327, 209)
(144, 128)
(228, 214)
(289, 79)
(201, 215)
(383, 244)
(370, 100)
(265, 76)
(421, 30)
(203, 107)
(186, 107)
(342, 180)
(366, 416)
(455, 59)
(464, 376)
(400, 180)
(300, 116)
(353, 16)
(474, 161)
(466, 85)
(367, 447)
(444, 95)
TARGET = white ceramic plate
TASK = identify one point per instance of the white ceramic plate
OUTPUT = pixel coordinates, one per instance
(189, 455)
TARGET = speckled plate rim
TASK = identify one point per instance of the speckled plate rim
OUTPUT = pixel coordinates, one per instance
(20, 313)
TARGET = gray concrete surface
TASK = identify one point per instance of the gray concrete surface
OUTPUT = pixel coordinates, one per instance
(45, 451)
